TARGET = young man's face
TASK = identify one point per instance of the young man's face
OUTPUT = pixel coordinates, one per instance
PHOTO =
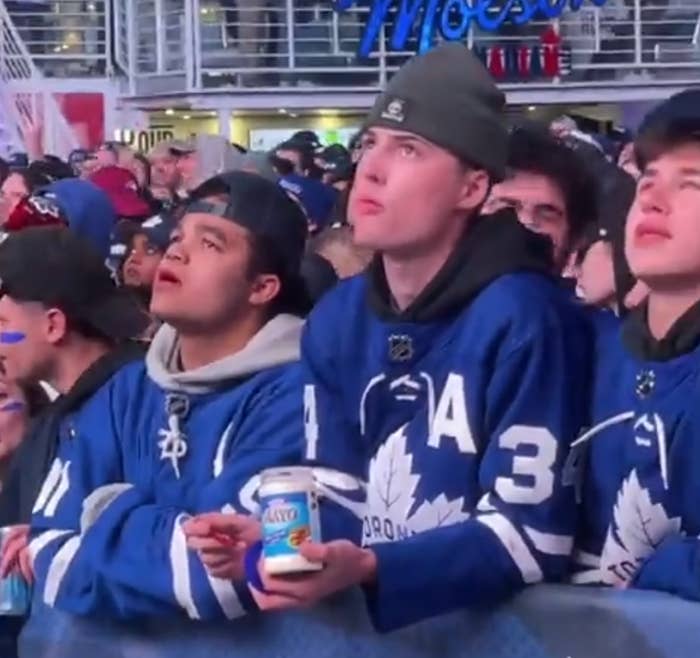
(164, 172)
(25, 340)
(662, 237)
(141, 263)
(595, 275)
(539, 204)
(202, 284)
(409, 193)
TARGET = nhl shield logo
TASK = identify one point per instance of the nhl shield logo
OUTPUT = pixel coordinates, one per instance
(400, 347)
(395, 110)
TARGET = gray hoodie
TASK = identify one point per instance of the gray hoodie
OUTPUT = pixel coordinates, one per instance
(276, 344)
(215, 156)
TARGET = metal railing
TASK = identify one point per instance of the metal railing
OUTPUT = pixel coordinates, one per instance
(21, 96)
(192, 45)
(68, 38)
(307, 44)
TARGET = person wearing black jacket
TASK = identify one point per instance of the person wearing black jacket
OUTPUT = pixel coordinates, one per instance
(63, 322)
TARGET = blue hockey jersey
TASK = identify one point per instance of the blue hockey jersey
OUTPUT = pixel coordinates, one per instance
(640, 518)
(152, 447)
(440, 443)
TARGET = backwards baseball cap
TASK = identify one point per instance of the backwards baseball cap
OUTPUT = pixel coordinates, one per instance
(672, 122)
(59, 269)
(122, 188)
(336, 161)
(447, 97)
(261, 207)
(79, 156)
(616, 190)
(35, 210)
(157, 230)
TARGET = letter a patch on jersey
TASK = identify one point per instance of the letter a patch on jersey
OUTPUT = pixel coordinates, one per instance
(451, 419)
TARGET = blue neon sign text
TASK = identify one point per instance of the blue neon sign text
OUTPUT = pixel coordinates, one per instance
(489, 15)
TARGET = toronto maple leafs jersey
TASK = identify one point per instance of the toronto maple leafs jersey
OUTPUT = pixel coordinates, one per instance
(152, 447)
(440, 444)
(641, 482)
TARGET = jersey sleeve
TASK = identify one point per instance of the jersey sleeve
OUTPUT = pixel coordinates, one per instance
(102, 546)
(333, 443)
(522, 530)
(673, 568)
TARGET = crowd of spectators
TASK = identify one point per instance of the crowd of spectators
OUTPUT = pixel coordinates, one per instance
(158, 300)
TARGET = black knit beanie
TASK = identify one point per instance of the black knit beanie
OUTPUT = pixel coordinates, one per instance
(447, 97)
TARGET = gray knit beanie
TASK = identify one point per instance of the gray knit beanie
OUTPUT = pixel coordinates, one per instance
(447, 97)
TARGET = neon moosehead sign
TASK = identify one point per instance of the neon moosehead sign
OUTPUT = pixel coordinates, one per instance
(452, 18)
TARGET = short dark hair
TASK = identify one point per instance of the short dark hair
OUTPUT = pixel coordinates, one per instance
(656, 142)
(534, 149)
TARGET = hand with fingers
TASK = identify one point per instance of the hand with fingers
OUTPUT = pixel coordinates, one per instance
(33, 135)
(221, 541)
(346, 565)
(15, 554)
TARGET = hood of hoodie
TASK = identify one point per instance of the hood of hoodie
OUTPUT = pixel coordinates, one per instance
(682, 338)
(492, 246)
(276, 344)
(215, 156)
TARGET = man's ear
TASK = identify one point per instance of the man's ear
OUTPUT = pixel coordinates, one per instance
(55, 325)
(264, 289)
(475, 189)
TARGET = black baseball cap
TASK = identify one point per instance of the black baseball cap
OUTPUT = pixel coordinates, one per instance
(57, 268)
(615, 194)
(260, 206)
(672, 122)
(336, 161)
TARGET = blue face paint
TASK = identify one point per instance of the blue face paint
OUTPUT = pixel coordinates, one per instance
(11, 337)
(12, 405)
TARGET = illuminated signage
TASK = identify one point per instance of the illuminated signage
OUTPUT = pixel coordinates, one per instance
(451, 19)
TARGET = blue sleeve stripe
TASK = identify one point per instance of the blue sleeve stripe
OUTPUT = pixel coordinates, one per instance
(514, 543)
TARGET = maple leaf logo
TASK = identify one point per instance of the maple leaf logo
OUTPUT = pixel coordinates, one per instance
(391, 497)
(638, 527)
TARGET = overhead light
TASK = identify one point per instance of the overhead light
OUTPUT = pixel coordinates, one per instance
(213, 113)
(531, 108)
(91, 6)
(204, 11)
(282, 111)
(294, 116)
(170, 111)
(186, 116)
